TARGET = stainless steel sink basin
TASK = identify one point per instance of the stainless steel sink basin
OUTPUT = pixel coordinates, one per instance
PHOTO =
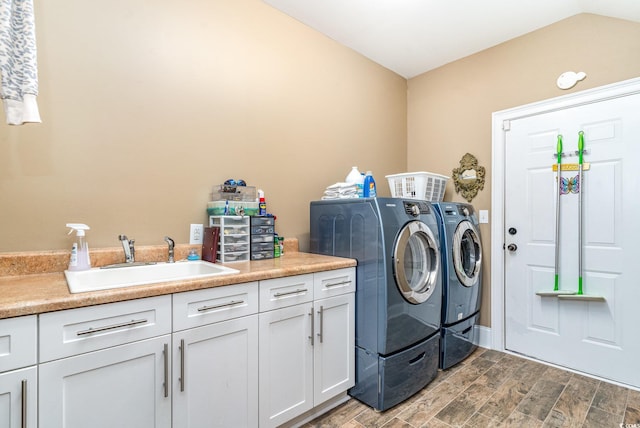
(126, 276)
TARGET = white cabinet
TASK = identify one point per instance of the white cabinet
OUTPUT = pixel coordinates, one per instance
(255, 354)
(215, 371)
(286, 364)
(306, 343)
(18, 377)
(334, 345)
(106, 366)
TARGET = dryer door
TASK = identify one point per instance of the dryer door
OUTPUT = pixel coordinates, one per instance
(467, 253)
(416, 262)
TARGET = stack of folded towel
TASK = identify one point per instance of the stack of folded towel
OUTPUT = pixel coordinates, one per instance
(341, 191)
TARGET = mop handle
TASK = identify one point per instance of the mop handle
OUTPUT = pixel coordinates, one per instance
(581, 189)
(559, 153)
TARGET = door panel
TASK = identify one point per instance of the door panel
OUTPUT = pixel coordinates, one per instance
(596, 337)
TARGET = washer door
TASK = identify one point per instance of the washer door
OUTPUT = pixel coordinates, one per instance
(416, 262)
(467, 253)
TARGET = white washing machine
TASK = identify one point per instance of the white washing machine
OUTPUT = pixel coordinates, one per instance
(462, 281)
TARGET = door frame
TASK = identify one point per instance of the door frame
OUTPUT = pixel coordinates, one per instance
(498, 145)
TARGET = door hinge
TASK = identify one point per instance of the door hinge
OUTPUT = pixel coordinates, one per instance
(506, 125)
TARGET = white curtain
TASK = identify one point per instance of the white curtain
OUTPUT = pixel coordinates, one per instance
(18, 62)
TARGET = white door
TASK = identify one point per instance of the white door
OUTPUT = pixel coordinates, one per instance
(334, 347)
(126, 386)
(18, 398)
(215, 373)
(286, 364)
(596, 337)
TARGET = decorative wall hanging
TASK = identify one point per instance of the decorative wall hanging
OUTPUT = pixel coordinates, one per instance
(469, 177)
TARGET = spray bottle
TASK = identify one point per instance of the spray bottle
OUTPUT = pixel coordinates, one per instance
(80, 250)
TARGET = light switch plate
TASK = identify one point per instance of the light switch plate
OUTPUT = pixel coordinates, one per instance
(195, 235)
(484, 216)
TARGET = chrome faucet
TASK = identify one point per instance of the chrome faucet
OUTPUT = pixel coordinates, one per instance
(171, 245)
(128, 247)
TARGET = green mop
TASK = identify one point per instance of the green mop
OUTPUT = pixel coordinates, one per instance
(580, 295)
(556, 291)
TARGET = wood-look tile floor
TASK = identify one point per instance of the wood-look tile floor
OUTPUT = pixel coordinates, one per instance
(494, 389)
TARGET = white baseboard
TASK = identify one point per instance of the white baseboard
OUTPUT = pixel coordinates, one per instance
(484, 336)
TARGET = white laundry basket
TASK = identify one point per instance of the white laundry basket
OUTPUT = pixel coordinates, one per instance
(418, 185)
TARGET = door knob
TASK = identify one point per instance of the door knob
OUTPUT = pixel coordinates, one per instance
(512, 247)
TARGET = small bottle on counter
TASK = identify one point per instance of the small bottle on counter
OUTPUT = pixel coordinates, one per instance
(276, 246)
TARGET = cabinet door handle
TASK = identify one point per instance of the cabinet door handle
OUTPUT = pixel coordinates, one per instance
(336, 284)
(165, 352)
(131, 323)
(312, 328)
(321, 312)
(181, 365)
(221, 305)
(287, 293)
(24, 403)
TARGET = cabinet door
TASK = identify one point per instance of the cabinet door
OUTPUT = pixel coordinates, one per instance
(18, 395)
(215, 375)
(334, 350)
(286, 364)
(125, 386)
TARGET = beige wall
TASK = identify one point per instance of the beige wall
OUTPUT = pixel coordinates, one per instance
(449, 109)
(147, 104)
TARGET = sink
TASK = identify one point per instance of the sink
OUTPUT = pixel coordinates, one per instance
(129, 275)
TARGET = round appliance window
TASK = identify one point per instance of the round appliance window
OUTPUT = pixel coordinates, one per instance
(467, 253)
(416, 262)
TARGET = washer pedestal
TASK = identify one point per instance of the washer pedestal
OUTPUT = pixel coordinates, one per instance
(458, 341)
(383, 382)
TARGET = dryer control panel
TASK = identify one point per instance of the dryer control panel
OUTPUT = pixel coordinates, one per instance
(415, 208)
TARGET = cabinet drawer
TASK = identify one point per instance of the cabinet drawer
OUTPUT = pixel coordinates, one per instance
(287, 291)
(18, 340)
(76, 331)
(334, 282)
(200, 307)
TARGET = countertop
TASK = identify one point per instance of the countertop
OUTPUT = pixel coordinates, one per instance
(35, 293)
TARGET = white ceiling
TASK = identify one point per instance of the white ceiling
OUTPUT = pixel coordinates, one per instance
(411, 37)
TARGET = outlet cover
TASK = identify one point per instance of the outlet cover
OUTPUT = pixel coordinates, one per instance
(195, 235)
(484, 216)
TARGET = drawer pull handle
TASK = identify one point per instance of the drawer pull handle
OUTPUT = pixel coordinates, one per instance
(288, 293)
(111, 327)
(24, 404)
(221, 305)
(337, 284)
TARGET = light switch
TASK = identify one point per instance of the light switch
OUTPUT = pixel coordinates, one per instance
(484, 216)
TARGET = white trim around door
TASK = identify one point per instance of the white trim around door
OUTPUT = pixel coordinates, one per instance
(500, 123)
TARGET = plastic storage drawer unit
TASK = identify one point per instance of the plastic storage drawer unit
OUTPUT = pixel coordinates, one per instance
(262, 235)
(233, 244)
